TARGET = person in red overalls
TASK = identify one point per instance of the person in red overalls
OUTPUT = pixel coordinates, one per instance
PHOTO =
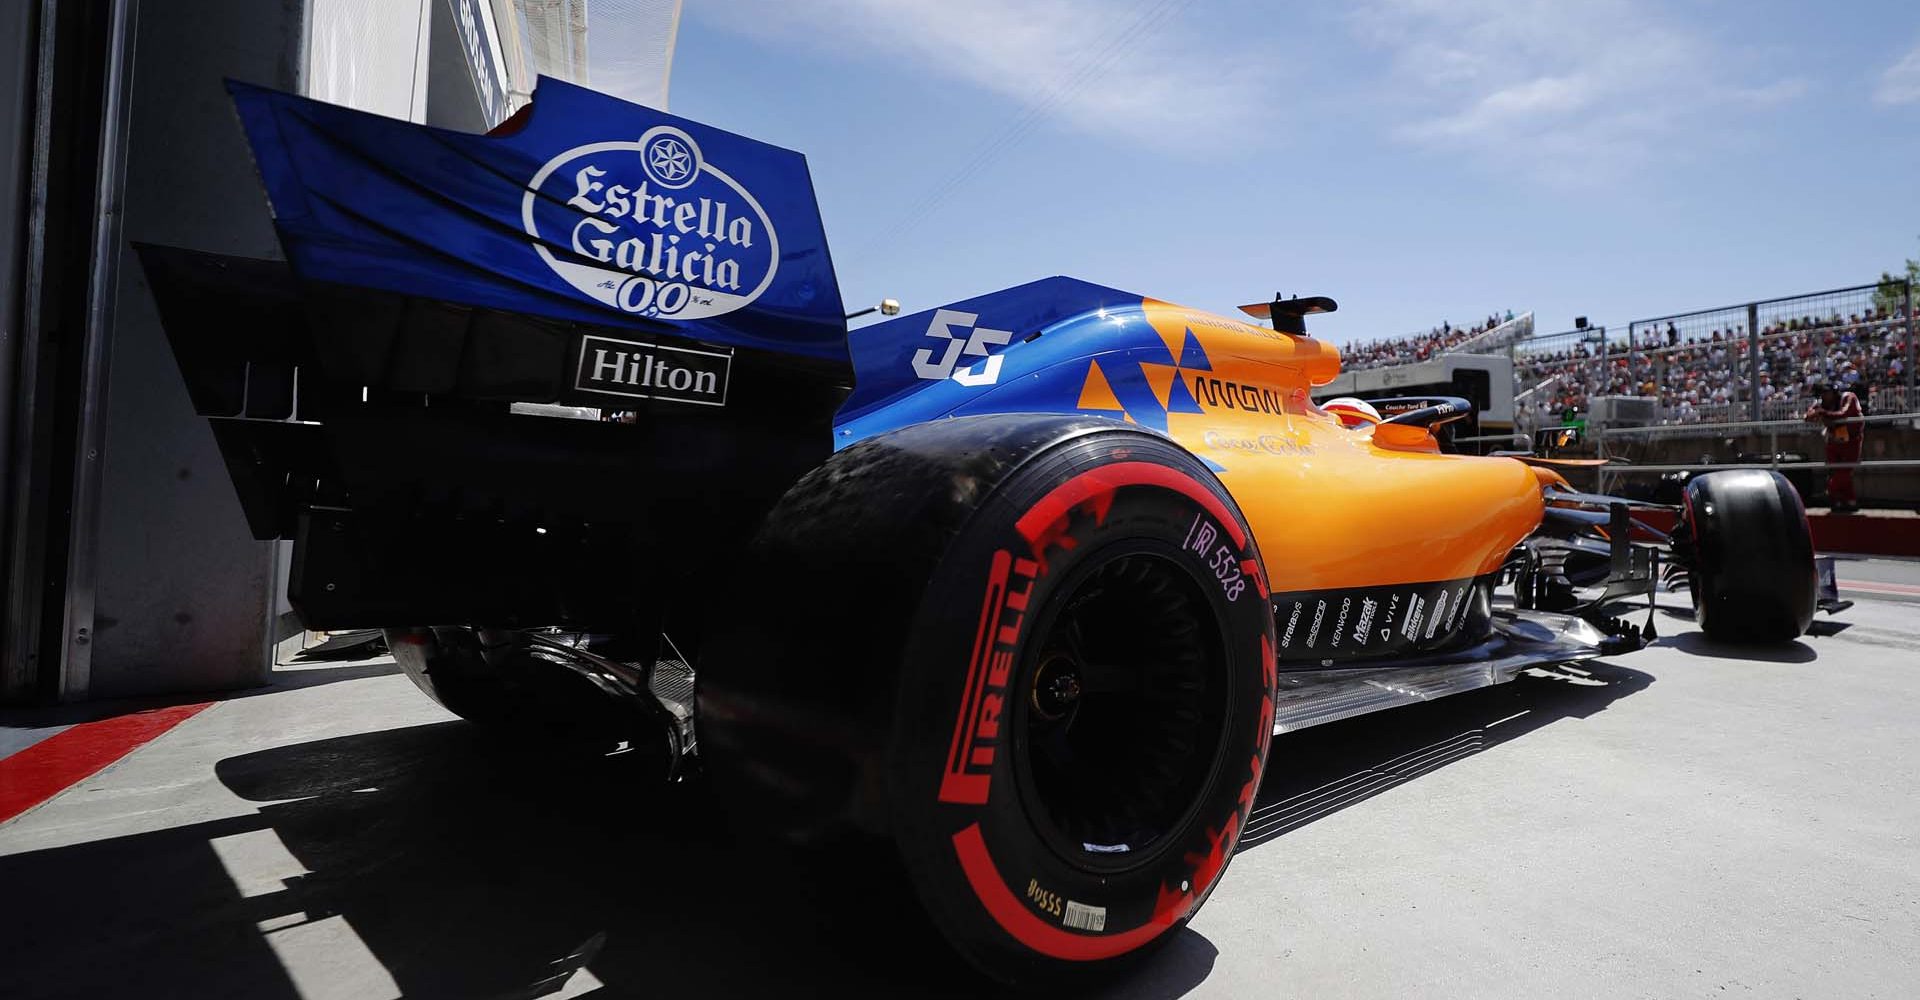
(1839, 411)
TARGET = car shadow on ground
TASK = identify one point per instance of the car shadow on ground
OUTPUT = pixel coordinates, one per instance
(456, 867)
(1697, 644)
(1320, 771)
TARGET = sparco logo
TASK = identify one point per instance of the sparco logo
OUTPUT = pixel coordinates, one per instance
(649, 371)
(651, 228)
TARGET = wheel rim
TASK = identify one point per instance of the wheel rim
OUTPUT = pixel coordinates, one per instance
(1120, 714)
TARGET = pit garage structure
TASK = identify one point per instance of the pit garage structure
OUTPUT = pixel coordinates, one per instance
(124, 564)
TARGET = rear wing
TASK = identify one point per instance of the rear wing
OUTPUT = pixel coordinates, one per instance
(584, 208)
(393, 396)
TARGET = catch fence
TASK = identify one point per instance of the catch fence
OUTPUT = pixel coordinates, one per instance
(1760, 360)
(1754, 361)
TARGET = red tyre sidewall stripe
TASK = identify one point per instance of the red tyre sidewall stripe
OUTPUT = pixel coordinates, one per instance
(970, 847)
(1030, 930)
(1106, 479)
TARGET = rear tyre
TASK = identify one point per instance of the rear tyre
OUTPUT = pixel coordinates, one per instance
(1055, 695)
(448, 666)
(1753, 577)
(530, 700)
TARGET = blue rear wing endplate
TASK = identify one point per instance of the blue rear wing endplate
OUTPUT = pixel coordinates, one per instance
(593, 210)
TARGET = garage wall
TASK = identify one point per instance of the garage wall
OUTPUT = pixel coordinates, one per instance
(183, 595)
(17, 38)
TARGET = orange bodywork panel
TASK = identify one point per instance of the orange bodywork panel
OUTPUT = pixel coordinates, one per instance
(1333, 507)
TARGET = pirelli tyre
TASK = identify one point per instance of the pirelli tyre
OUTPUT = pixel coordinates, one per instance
(529, 701)
(447, 665)
(1033, 652)
(1753, 576)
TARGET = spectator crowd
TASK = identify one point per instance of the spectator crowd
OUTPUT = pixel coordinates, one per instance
(1415, 347)
(1705, 377)
(1695, 377)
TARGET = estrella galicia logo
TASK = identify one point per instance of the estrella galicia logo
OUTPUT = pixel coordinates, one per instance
(649, 227)
(672, 162)
(651, 371)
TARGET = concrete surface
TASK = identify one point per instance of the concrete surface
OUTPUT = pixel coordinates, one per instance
(1684, 821)
(1881, 577)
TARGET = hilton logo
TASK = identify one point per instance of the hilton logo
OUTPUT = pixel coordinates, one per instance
(650, 371)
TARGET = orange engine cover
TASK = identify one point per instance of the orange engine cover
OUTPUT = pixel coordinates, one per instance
(1333, 507)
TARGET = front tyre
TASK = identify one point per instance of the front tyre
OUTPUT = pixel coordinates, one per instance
(1079, 683)
(1753, 576)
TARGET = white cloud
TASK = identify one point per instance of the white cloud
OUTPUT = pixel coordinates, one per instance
(1135, 69)
(1568, 93)
(1900, 84)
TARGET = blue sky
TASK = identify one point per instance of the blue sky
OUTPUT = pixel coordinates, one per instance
(1418, 160)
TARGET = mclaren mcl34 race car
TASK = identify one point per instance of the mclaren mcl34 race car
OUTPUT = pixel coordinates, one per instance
(1025, 587)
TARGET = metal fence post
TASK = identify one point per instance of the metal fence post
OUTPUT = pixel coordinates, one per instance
(1601, 481)
(1753, 361)
(1513, 365)
(1660, 380)
(1906, 305)
(1598, 387)
(1633, 383)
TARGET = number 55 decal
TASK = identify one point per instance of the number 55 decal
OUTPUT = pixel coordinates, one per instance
(946, 325)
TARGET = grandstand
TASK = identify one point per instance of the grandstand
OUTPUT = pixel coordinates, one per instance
(1416, 347)
(1700, 367)
(1707, 376)
(1742, 376)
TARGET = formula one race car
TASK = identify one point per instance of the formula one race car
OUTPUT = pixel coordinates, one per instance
(1022, 586)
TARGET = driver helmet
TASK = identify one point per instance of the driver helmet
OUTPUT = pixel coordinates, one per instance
(1352, 412)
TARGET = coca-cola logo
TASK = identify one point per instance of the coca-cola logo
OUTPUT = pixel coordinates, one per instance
(649, 227)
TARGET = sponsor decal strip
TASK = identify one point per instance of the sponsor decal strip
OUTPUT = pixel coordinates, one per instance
(1370, 621)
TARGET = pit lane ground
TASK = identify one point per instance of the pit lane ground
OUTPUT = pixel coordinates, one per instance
(1689, 820)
